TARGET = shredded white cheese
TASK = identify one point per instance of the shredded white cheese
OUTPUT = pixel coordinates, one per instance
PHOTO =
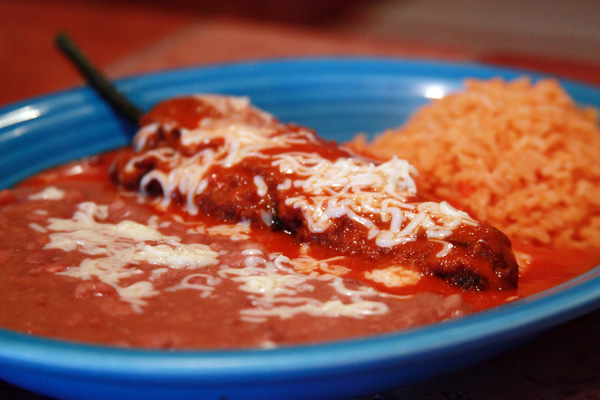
(277, 290)
(186, 175)
(394, 276)
(237, 232)
(117, 249)
(368, 194)
(37, 227)
(193, 281)
(49, 193)
(307, 264)
(261, 186)
(381, 198)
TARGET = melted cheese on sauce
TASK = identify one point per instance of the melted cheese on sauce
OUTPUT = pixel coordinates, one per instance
(394, 276)
(49, 193)
(356, 189)
(186, 174)
(236, 232)
(377, 197)
(37, 227)
(117, 249)
(271, 281)
(277, 290)
(307, 264)
(204, 283)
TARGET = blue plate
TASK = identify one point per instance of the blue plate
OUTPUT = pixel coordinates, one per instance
(338, 97)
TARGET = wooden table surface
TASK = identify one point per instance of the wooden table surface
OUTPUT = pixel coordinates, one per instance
(129, 38)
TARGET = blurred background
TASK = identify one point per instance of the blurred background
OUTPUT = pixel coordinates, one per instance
(131, 36)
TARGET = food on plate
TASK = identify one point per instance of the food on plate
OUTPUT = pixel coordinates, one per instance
(225, 228)
(521, 156)
(245, 232)
(220, 156)
(85, 261)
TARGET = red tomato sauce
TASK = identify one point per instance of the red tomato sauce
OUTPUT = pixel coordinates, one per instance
(217, 308)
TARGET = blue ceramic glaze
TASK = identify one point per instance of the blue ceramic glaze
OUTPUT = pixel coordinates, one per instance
(337, 97)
